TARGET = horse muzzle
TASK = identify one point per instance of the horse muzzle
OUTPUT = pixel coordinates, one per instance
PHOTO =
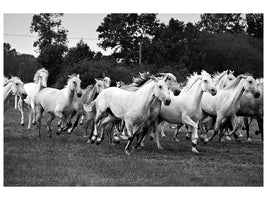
(79, 94)
(167, 102)
(213, 92)
(176, 92)
(257, 95)
(24, 96)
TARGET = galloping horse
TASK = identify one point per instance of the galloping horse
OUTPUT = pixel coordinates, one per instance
(89, 94)
(251, 107)
(13, 86)
(32, 89)
(186, 108)
(57, 102)
(227, 102)
(132, 107)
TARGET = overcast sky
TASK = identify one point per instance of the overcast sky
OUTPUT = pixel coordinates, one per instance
(79, 26)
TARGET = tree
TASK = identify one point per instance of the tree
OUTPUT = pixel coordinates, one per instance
(255, 25)
(80, 52)
(51, 43)
(221, 23)
(125, 32)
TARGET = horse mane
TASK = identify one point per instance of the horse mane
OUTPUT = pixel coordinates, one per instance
(36, 75)
(141, 79)
(191, 80)
(218, 77)
(237, 81)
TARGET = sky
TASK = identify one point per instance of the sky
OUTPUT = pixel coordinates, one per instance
(80, 26)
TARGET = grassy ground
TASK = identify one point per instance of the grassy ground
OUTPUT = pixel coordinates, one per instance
(67, 160)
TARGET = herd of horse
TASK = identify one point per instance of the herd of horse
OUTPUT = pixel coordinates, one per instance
(221, 102)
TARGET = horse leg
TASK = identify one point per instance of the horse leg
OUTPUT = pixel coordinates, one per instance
(176, 132)
(247, 128)
(217, 126)
(193, 127)
(21, 109)
(233, 121)
(203, 133)
(108, 119)
(81, 120)
(260, 125)
(39, 113)
(157, 129)
(77, 114)
(129, 128)
(30, 118)
(62, 119)
(48, 128)
(33, 113)
(145, 131)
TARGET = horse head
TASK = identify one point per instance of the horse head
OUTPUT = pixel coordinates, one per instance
(18, 87)
(161, 90)
(75, 84)
(207, 84)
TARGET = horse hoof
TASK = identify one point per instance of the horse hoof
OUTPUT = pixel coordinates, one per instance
(238, 140)
(127, 152)
(206, 141)
(228, 138)
(58, 131)
(249, 140)
(69, 131)
(187, 136)
(257, 132)
(176, 140)
(22, 124)
(194, 150)
(33, 122)
(241, 135)
(160, 148)
(81, 123)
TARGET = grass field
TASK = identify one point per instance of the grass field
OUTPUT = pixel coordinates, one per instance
(67, 160)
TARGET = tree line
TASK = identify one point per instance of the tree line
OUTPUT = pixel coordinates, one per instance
(215, 43)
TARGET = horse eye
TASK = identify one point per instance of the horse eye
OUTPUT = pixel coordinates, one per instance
(230, 79)
(205, 81)
(17, 83)
(160, 87)
(250, 82)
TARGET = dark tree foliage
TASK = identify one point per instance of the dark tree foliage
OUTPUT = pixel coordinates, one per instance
(124, 33)
(51, 43)
(16, 64)
(221, 23)
(76, 54)
(255, 25)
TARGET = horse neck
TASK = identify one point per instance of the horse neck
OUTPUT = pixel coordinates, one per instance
(146, 94)
(196, 93)
(238, 92)
(7, 91)
(221, 82)
(92, 94)
(39, 86)
(69, 93)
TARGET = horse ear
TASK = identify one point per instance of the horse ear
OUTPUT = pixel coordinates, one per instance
(69, 76)
(153, 78)
(166, 78)
(96, 79)
(228, 71)
(104, 75)
(78, 76)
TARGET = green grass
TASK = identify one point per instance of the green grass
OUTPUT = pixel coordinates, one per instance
(67, 160)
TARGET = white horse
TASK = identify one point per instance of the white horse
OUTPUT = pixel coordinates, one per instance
(221, 80)
(186, 108)
(252, 107)
(89, 94)
(32, 89)
(227, 102)
(14, 86)
(5, 80)
(132, 107)
(57, 102)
